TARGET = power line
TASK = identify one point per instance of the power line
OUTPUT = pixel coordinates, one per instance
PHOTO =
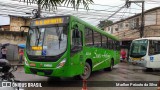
(5, 10)
(44, 11)
(90, 4)
(123, 13)
(152, 1)
(114, 6)
(60, 6)
(101, 15)
(106, 10)
(115, 12)
(76, 13)
(19, 12)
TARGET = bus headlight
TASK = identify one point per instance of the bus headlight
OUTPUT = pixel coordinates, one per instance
(61, 64)
(26, 62)
(142, 59)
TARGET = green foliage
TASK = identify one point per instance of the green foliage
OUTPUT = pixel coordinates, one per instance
(76, 3)
(54, 3)
(104, 23)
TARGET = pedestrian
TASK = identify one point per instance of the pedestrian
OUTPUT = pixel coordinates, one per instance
(4, 52)
(21, 56)
(123, 54)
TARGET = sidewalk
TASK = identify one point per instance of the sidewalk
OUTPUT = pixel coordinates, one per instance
(15, 62)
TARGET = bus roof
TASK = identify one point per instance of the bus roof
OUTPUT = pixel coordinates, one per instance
(86, 24)
(149, 38)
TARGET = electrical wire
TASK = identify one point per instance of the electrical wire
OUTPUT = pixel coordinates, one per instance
(84, 14)
(92, 4)
(115, 12)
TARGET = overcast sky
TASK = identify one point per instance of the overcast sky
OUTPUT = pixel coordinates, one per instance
(149, 3)
(4, 20)
(91, 16)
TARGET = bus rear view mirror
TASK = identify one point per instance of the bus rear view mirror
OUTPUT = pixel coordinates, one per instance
(23, 29)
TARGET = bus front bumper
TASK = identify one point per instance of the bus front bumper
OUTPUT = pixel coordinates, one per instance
(56, 72)
(141, 63)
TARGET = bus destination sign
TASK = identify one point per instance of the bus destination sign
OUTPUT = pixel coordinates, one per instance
(48, 21)
(36, 48)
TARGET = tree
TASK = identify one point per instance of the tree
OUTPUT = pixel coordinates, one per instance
(54, 3)
(104, 23)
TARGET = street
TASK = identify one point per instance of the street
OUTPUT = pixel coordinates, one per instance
(121, 72)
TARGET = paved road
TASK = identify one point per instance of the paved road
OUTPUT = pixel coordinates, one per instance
(121, 72)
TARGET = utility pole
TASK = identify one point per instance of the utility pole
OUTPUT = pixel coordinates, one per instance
(142, 21)
(128, 3)
(39, 11)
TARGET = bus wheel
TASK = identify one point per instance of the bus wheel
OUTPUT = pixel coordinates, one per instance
(87, 71)
(111, 66)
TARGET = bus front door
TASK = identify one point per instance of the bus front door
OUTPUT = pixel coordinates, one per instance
(76, 50)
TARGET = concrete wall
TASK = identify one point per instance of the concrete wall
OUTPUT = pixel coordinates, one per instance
(158, 17)
(12, 52)
(5, 27)
(12, 37)
(152, 26)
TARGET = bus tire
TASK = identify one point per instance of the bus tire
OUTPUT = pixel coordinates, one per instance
(111, 66)
(87, 72)
(149, 69)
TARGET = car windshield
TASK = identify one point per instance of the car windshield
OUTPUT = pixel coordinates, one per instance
(138, 48)
(52, 41)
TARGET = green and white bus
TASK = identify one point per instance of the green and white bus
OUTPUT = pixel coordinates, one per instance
(65, 46)
(146, 52)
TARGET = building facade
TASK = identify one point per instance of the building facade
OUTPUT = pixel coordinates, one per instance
(11, 33)
(129, 28)
(15, 23)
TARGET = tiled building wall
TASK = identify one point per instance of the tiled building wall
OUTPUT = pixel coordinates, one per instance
(17, 22)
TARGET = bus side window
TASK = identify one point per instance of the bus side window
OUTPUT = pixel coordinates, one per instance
(76, 44)
(158, 47)
(104, 40)
(154, 47)
(151, 48)
(107, 45)
(117, 45)
(114, 45)
(89, 37)
(97, 39)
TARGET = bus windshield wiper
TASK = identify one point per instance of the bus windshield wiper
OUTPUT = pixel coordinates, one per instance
(59, 34)
(39, 35)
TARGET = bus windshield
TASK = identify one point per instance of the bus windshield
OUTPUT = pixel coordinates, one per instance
(51, 41)
(139, 48)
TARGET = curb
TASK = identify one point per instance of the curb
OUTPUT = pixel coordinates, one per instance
(17, 64)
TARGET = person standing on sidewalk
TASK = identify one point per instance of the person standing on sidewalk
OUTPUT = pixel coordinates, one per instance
(123, 54)
(4, 52)
(21, 56)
